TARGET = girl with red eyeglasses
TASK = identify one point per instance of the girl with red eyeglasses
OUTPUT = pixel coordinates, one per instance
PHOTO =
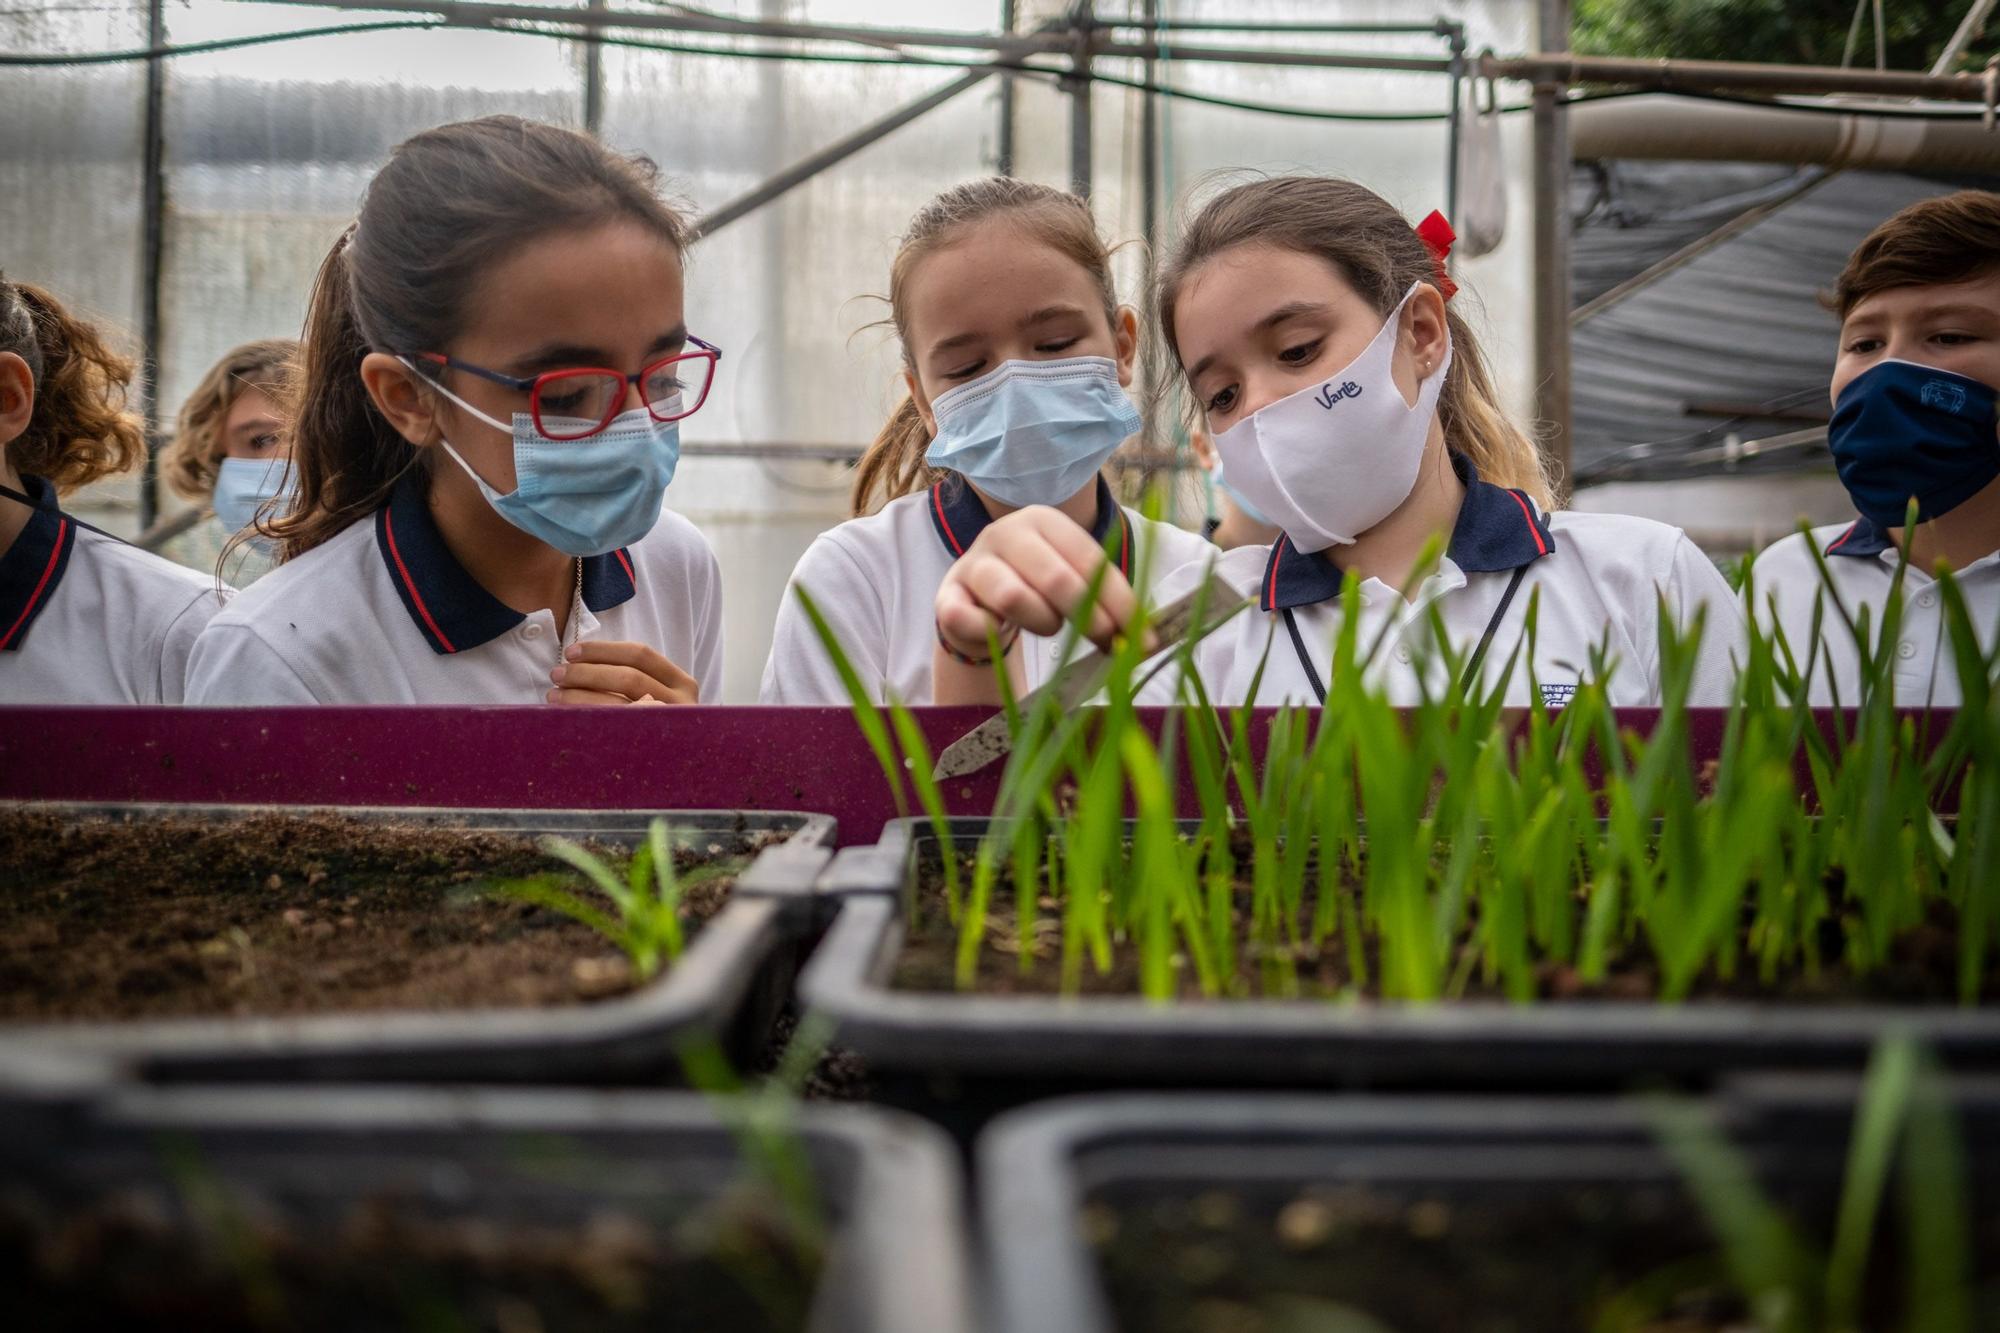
(497, 361)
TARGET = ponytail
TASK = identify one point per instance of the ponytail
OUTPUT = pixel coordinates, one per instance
(1476, 426)
(80, 430)
(894, 464)
(346, 456)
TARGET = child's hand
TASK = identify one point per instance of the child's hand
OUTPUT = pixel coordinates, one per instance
(620, 673)
(1030, 570)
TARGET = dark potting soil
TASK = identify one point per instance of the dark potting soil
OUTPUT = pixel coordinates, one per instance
(837, 1074)
(295, 913)
(132, 1261)
(1570, 1261)
(1922, 970)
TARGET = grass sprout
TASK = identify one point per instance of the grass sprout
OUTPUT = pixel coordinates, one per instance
(1465, 845)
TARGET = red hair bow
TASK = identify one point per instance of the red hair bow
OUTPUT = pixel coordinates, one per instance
(1437, 236)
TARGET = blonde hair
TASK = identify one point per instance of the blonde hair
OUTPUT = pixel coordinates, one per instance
(190, 462)
(1374, 247)
(80, 430)
(894, 464)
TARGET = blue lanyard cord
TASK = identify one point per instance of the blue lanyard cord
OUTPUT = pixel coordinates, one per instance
(10, 493)
(1472, 664)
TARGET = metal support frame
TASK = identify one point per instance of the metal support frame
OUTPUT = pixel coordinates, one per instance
(838, 151)
(1553, 405)
(1083, 39)
(1454, 35)
(1066, 50)
(1554, 67)
(593, 83)
(1003, 164)
(152, 255)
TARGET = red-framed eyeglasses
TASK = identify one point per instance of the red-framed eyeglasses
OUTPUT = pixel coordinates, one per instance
(578, 402)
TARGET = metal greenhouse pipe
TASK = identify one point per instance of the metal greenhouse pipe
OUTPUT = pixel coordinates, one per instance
(1734, 76)
(1662, 127)
(469, 13)
(841, 149)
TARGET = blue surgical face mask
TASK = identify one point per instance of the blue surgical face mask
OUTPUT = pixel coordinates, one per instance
(1033, 432)
(1902, 430)
(588, 496)
(242, 485)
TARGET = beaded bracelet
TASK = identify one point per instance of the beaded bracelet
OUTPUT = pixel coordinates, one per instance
(966, 659)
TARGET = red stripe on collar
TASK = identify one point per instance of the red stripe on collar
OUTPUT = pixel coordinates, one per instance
(1541, 547)
(410, 584)
(944, 524)
(35, 597)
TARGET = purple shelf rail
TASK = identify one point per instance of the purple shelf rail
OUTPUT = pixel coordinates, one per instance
(811, 759)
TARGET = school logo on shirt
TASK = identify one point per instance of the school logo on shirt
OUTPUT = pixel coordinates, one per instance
(1557, 694)
(1329, 394)
(1943, 395)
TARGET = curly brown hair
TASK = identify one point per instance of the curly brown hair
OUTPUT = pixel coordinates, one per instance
(189, 463)
(80, 430)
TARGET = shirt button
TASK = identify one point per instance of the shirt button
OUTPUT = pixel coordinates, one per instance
(531, 630)
(1402, 654)
(1926, 599)
(1055, 651)
(1906, 650)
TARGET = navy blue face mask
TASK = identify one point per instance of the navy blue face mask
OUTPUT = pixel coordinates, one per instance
(1901, 430)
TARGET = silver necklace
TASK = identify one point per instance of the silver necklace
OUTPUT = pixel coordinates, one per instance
(568, 636)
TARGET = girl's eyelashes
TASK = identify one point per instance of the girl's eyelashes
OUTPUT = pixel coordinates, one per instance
(268, 440)
(1300, 354)
(966, 371)
(1221, 400)
(1061, 345)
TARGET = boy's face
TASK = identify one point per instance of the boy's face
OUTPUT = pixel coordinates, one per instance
(1954, 327)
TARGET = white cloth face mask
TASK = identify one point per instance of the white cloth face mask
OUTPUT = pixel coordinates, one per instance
(1334, 459)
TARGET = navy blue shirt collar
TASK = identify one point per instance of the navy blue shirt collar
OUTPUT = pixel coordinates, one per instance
(447, 605)
(31, 568)
(1863, 537)
(1498, 528)
(959, 516)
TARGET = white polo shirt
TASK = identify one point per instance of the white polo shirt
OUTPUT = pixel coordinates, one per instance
(1598, 577)
(875, 579)
(382, 613)
(88, 619)
(1861, 559)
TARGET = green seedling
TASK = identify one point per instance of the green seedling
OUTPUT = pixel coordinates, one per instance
(644, 919)
(1904, 1125)
(1430, 849)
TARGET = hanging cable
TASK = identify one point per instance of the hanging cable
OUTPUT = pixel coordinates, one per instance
(58, 60)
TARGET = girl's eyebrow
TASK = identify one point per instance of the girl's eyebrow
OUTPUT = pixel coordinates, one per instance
(956, 340)
(562, 356)
(1289, 310)
(1042, 316)
(256, 426)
